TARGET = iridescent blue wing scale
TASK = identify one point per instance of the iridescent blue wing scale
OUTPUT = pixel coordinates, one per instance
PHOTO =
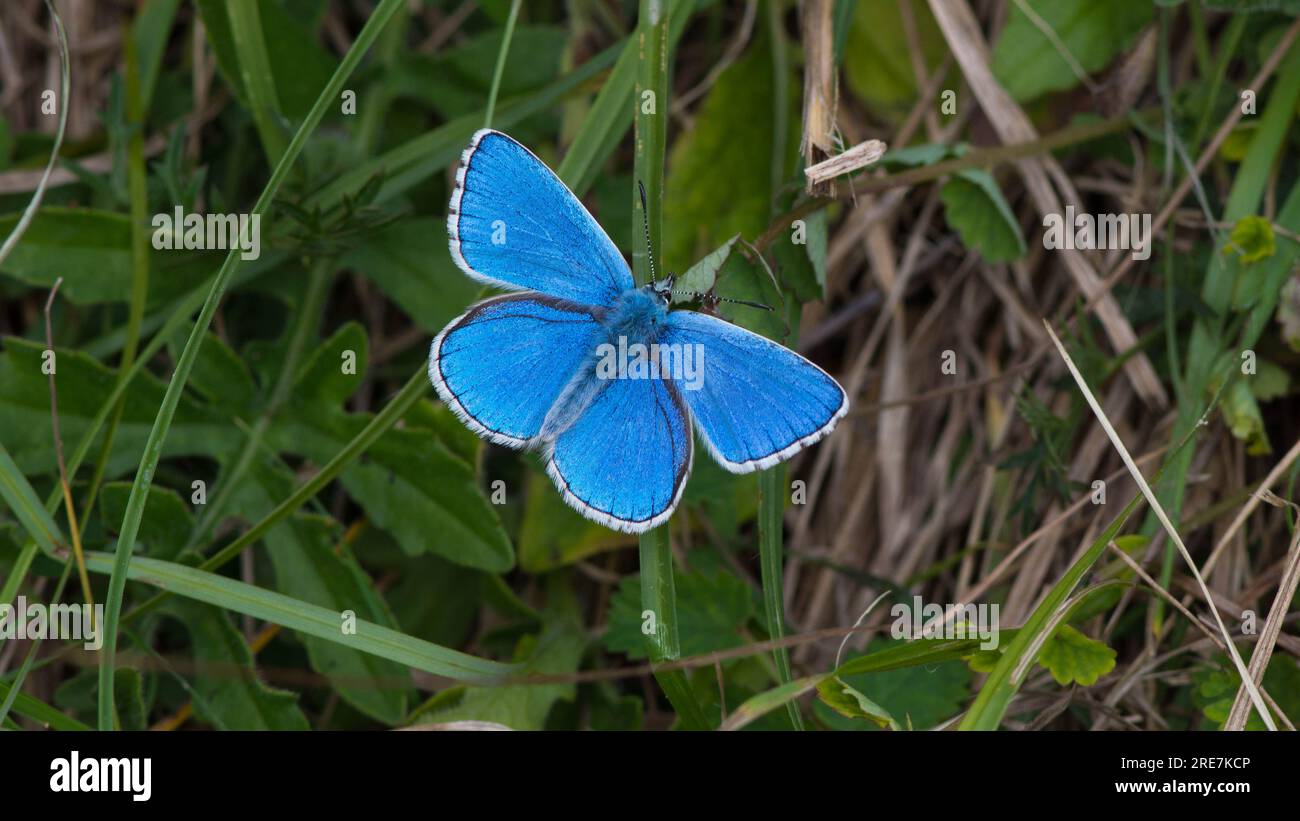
(513, 224)
(501, 365)
(758, 403)
(624, 461)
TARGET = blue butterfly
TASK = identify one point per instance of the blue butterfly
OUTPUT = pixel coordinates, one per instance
(596, 373)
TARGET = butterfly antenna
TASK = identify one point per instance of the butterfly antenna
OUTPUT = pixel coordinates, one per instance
(716, 298)
(645, 223)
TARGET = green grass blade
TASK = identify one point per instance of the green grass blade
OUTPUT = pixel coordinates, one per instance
(500, 69)
(994, 697)
(418, 159)
(771, 506)
(153, 446)
(1207, 343)
(415, 389)
(611, 114)
(255, 71)
(1000, 687)
(37, 710)
(304, 617)
(138, 192)
(658, 594)
(26, 505)
(305, 323)
(772, 482)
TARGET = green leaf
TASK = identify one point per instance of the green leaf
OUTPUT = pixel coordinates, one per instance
(225, 686)
(553, 534)
(1026, 61)
(307, 568)
(304, 617)
(919, 695)
(456, 81)
(975, 209)
(1215, 688)
(299, 66)
(802, 266)
(409, 262)
(714, 158)
(37, 710)
(17, 492)
(409, 484)
(1248, 6)
(167, 519)
(432, 598)
(91, 250)
(128, 690)
(700, 277)
(878, 60)
(556, 651)
(84, 388)
(1241, 412)
(221, 377)
(1075, 658)
(852, 703)
(711, 612)
(1252, 239)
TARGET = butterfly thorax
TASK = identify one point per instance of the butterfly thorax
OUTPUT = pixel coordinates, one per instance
(637, 317)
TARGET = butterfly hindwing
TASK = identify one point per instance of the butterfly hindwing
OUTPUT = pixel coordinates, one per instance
(624, 461)
(514, 224)
(501, 365)
(757, 402)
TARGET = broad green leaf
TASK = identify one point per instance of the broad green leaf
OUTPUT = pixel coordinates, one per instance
(975, 209)
(741, 279)
(700, 277)
(714, 163)
(553, 534)
(455, 81)
(1241, 412)
(1215, 688)
(711, 612)
(1073, 658)
(408, 483)
(167, 519)
(727, 500)
(433, 598)
(220, 376)
(557, 650)
(801, 266)
(877, 58)
(410, 263)
(128, 691)
(851, 703)
(930, 689)
(1248, 6)
(227, 692)
(84, 386)
(76, 696)
(1027, 62)
(299, 65)
(308, 568)
(91, 250)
